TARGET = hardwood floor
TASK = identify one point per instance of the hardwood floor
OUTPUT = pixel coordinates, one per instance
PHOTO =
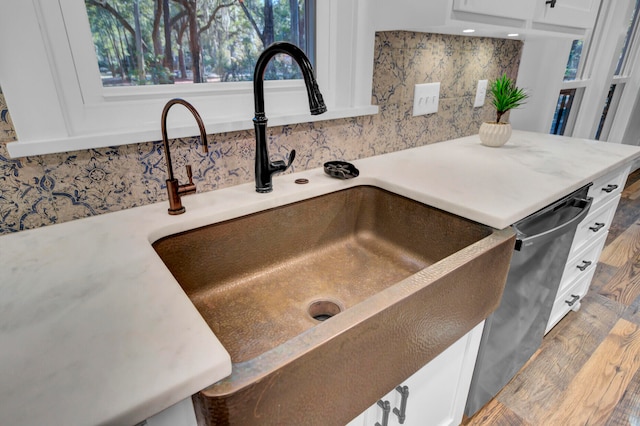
(587, 371)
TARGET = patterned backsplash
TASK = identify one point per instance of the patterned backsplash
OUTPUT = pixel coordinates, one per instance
(48, 189)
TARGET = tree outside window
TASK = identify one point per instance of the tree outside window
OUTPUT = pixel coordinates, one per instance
(140, 42)
(574, 60)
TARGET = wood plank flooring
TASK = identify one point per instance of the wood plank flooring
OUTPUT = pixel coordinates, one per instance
(587, 371)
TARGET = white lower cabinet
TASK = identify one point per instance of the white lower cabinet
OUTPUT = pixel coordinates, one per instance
(435, 395)
(587, 245)
(570, 298)
(180, 414)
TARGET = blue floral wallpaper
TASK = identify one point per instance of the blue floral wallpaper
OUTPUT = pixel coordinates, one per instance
(44, 190)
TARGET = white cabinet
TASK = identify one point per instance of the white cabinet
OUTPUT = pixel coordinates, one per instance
(587, 244)
(567, 18)
(437, 393)
(569, 298)
(512, 9)
(558, 17)
(567, 13)
(180, 414)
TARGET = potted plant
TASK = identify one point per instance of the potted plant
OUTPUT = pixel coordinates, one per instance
(505, 95)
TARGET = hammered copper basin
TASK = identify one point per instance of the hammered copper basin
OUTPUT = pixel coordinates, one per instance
(291, 282)
(254, 279)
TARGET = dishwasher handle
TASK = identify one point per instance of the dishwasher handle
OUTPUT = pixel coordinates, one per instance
(583, 204)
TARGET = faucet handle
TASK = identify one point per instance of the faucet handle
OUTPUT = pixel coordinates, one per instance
(189, 174)
(188, 188)
(280, 165)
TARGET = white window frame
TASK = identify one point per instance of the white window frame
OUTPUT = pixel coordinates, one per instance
(579, 83)
(622, 123)
(600, 67)
(614, 103)
(597, 75)
(50, 79)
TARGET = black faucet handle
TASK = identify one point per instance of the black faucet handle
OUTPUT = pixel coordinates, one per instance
(292, 156)
(280, 165)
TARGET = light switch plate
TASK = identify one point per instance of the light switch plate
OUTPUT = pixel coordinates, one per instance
(425, 98)
(481, 93)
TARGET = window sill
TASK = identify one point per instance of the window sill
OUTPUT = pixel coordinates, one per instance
(75, 143)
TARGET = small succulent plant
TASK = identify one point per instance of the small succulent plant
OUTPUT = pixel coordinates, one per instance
(505, 96)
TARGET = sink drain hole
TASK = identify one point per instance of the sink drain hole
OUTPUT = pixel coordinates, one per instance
(322, 310)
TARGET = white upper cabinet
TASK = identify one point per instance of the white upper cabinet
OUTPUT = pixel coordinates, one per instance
(566, 13)
(538, 17)
(492, 18)
(511, 9)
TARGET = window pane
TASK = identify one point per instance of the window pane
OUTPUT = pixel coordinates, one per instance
(561, 115)
(605, 111)
(574, 60)
(633, 22)
(141, 42)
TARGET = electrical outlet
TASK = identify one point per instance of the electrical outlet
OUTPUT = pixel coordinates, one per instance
(481, 93)
(425, 98)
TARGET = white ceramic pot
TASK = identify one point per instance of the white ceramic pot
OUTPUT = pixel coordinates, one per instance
(494, 134)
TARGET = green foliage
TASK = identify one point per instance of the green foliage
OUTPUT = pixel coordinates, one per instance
(506, 95)
(228, 43)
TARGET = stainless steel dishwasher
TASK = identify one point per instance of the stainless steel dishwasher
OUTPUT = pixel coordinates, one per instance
(514, 331)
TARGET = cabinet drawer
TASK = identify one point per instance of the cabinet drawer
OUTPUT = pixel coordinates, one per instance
(583, 262)
(607, 187)
(594, 225)
(569, 299)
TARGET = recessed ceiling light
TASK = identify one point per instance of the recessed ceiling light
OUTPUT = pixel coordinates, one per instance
(513, 35)
(469, 30)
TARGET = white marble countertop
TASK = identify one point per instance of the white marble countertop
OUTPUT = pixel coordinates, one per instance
(95, 330)
(498, 186)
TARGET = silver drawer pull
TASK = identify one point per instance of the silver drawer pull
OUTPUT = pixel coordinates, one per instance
(598, 226)
(574, 299)
(386, 409)
(402, 412)
(610, 188)
(585, 265)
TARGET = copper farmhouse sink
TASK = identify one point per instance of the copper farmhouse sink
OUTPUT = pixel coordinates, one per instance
(326, 304)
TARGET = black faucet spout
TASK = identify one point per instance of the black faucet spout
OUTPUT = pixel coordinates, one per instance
(264, 167)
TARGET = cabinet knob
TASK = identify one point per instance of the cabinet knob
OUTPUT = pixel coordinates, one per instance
(585, 265)
(597, 226)
(610, 188)
(386, 409)
(402, 412)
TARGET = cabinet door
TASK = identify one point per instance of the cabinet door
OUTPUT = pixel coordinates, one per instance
(513, 9)
(567, 13)
(437, 393)
(180, 414)
(360, 420)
